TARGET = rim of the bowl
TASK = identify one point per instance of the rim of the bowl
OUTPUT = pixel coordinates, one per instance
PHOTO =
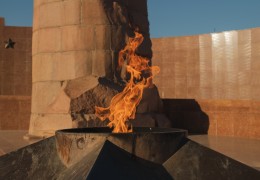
(107, 130)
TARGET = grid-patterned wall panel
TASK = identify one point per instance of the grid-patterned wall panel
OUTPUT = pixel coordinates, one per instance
(212, 66)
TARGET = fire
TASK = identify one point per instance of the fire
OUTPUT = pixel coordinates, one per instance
(123, 105)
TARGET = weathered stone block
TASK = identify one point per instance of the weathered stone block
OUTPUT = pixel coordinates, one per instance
(93, 13)
(49, 40)
(82, 63)
(77, 38)
(103, 37)
(62, 66)
(44, 125)
(61, 103)
(50, 14)
(71, 12)
(43, 68)
(77, 87)
(102, 64)
(85, 103)
(43, 94)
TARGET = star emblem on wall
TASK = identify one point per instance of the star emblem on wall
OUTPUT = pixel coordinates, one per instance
(9, 44)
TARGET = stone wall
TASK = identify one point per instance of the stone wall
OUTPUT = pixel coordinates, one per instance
(15, 64)
(237, 118)
(60, 52)
(15, 112)
(211, 66)
(220, 72)
(15, 77)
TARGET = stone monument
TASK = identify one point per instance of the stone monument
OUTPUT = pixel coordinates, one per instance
(75, 53)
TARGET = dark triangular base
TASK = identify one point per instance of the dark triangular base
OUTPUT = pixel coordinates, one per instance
(149, 153)
(115, 163)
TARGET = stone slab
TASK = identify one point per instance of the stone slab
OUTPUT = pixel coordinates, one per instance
(49, 40)
(77, 38)
(43, 94)
(77, 87)
(102, 64)
(50, 14)
(61, 66)
(93, 13)
(45, 125)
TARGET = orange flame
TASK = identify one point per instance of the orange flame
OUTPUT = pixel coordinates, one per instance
(123, 105)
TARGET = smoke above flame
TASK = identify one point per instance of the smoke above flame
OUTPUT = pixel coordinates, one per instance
(123, 105)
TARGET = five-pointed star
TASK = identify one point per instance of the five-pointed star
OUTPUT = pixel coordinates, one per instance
(9, 44)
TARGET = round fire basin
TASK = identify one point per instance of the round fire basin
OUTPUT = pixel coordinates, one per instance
(152, 144)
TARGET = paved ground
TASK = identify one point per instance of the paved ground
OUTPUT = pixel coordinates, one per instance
(244, 150)
(13, 140)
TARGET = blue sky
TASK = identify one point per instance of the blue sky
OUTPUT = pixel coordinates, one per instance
(168, 17)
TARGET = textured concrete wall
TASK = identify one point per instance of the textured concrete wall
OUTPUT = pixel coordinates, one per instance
(15, 112)
(15, 64)
(220, 71)
(15, 77)
(212, 66)
(238, 118)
